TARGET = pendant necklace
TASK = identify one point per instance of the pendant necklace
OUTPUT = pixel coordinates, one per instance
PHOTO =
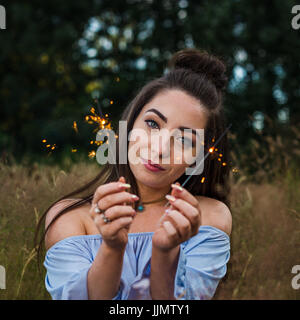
(141, 205)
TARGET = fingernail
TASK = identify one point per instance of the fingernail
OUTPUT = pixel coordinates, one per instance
(167, 211)
(134, 196)
(170, 198)
(125, 185)
(177, 187)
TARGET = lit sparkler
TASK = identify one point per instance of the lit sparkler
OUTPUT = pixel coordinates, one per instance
(102, 123)
(49, 146)
(105, 124)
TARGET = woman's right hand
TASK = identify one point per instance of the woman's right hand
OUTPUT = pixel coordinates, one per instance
(113, 198)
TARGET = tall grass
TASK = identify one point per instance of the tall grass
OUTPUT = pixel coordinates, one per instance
(25, 193)
(265, 239)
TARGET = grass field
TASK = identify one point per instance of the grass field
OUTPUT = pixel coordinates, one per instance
(265, 240)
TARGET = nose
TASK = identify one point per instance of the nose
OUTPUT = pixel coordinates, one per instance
(160, 145)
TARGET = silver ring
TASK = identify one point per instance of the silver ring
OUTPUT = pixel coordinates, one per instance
(105, 219)
(98, 210)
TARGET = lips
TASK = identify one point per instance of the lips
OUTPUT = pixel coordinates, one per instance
(152, 166)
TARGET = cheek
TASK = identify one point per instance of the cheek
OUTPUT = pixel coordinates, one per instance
(138, 135)
(190, 156)
(183, 157)
(137, 145)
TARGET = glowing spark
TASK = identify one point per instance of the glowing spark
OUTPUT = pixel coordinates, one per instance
(49, 146)
(75, 126)
(74, 150)
(223, 164)
(101, 121)
(202, 180)
(211, 150)
(92, 154)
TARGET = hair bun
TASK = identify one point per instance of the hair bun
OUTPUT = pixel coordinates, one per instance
(201, 62)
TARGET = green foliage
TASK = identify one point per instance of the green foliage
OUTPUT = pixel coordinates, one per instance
(50, 72)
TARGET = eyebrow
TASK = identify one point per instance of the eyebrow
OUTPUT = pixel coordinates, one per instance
(165, 119)
(159, 114)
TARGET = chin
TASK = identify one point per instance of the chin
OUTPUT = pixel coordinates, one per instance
(147, 178)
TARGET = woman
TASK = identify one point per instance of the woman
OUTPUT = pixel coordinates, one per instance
(121, 241)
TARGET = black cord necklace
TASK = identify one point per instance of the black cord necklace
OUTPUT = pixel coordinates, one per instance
(141, 205)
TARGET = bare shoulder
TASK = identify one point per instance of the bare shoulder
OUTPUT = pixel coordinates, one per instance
(67, 225)
(215, 213)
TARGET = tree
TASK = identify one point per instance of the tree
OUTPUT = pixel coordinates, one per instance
(59, 55)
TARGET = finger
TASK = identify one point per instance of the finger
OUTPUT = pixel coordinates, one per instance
(116, 198)
(181, 223)
(182, 193)
(161, 220)
(189, 211)
(112, 228)
(108, 188)
(116, 212)
(171, 231)
(122, 179)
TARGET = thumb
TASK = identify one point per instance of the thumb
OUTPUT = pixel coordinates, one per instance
(122, 179)
(174, 191)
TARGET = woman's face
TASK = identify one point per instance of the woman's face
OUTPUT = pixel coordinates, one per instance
(159, 138)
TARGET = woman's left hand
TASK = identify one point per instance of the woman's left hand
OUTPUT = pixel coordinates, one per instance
(180, 222)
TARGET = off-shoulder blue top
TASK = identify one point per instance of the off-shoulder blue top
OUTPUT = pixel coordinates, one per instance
(201, 265)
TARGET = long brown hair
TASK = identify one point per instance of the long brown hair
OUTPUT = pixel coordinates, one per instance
(201, 75)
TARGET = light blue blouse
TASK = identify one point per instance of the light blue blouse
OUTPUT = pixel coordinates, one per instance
(201, 265)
